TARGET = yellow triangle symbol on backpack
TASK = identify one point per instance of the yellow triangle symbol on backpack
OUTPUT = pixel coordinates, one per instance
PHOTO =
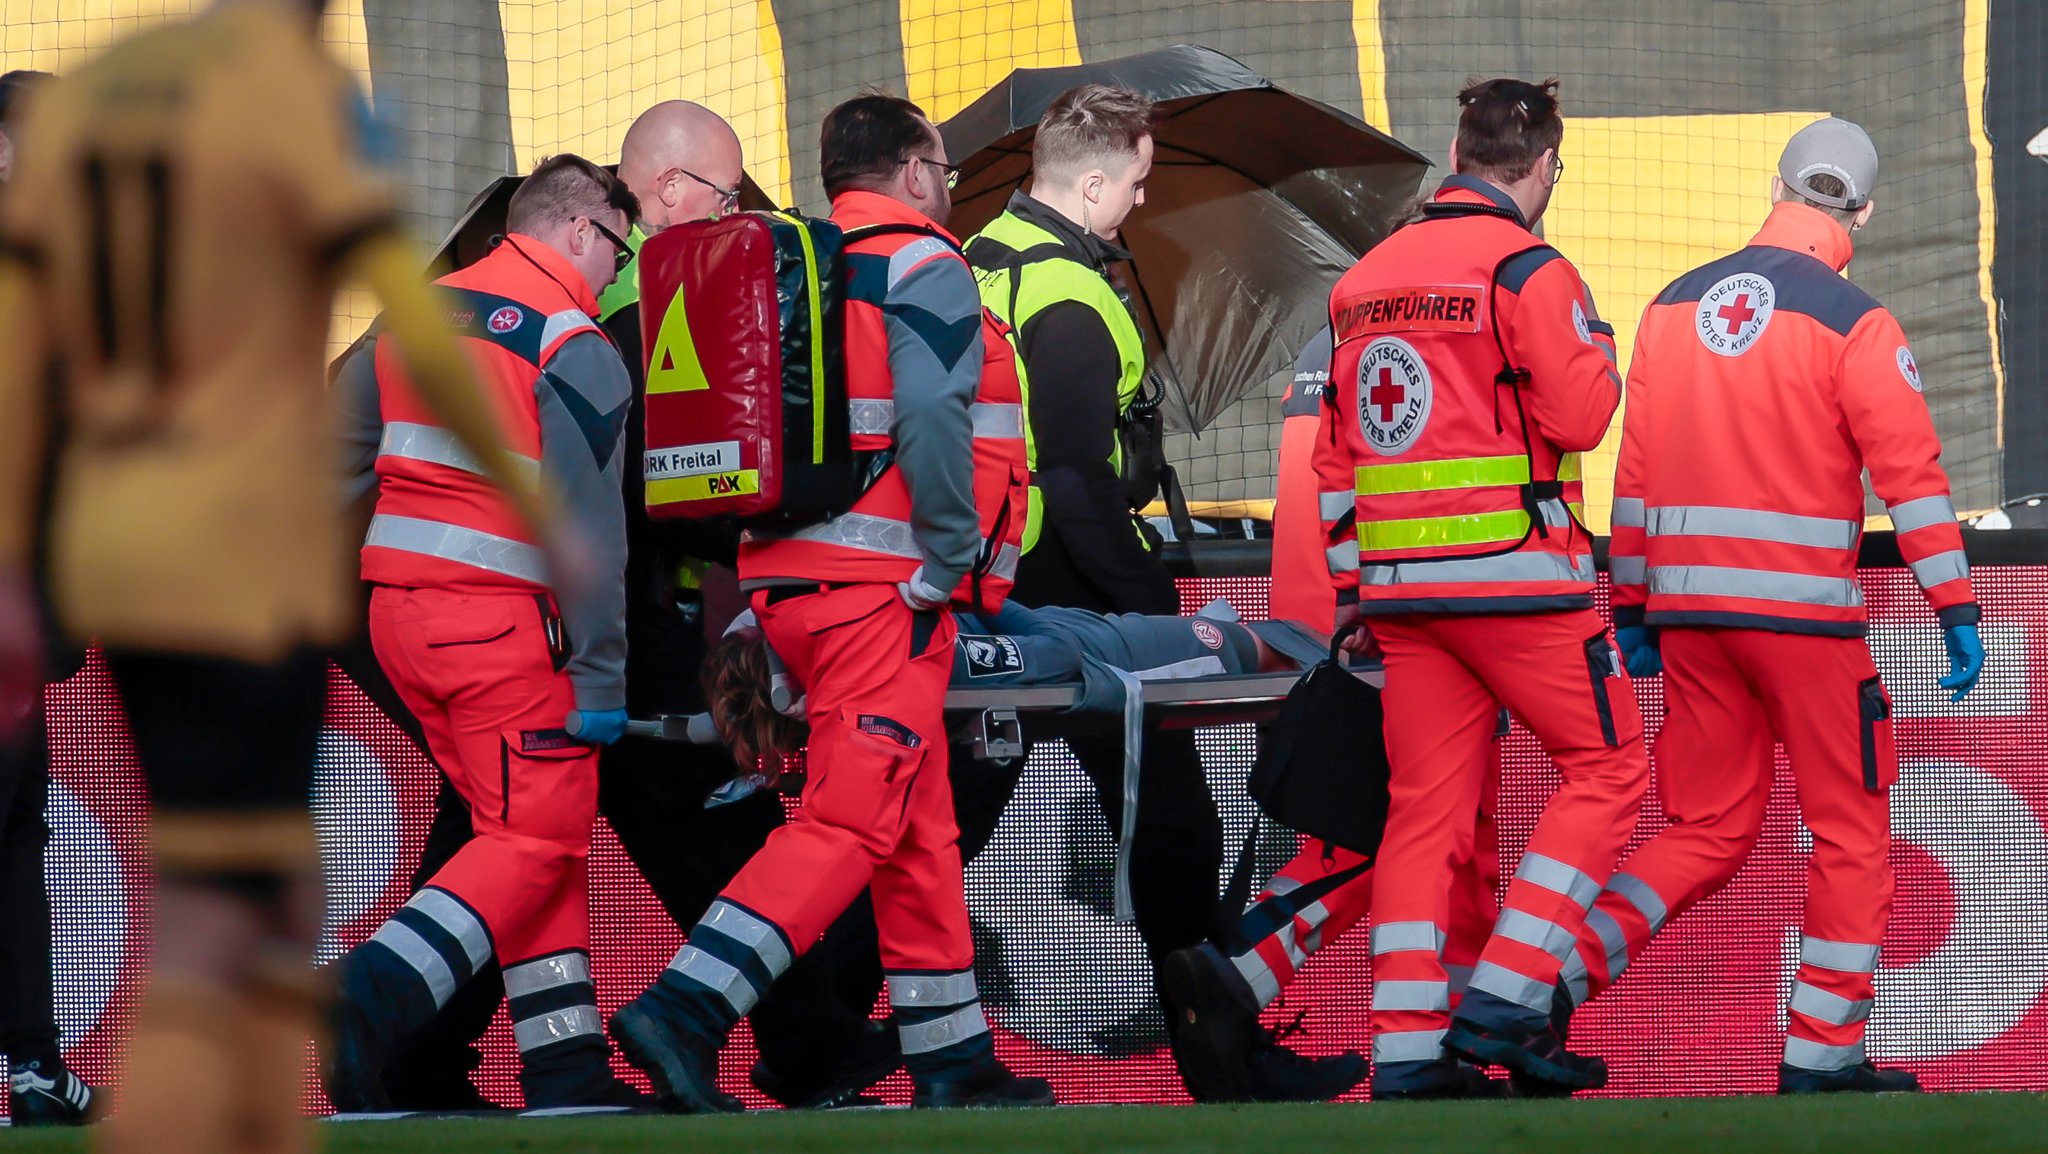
(673, 367)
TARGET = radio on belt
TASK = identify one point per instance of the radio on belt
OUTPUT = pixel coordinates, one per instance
(747, 418)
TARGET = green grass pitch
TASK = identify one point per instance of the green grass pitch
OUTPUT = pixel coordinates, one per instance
(1929, 1124)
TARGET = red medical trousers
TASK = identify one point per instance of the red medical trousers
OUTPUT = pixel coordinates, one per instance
(478, 671)
(878, 805)
(1732, 696)
(1447, 678)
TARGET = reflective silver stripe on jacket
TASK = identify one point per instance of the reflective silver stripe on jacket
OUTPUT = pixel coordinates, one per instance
(559, 1026)
(992, 420)
(1628, 512)
(438, 446)
(1815, 1056)
(1922, 513)
(562, 324)
(1558, 878)
(958, 1026)
(1395, 937)
(1627, 570)
(1756, 584)
(1753, 525)
(1949, 566)
(1827, 1006)
(1334, 505)
(913, 254)
(1506, 567)
(1343, 556)
(1845, 957)
(864, 532)
(1408, 1046)
(463, 546)
(546, 974)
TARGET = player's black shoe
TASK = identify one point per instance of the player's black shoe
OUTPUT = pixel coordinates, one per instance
(48, 1094)
(682, 1064)
(1215, 1024)
(1864, 1079)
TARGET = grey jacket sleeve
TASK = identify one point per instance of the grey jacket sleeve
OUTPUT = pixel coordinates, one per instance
(933, 320)
(583, 397)
(358, 424)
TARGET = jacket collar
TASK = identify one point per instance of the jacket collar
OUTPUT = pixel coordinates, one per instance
(1804, 228)
(1458, 188)
(1092, 250)
(554, 264)
(858, 209)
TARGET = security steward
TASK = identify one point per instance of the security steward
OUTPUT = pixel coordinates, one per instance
(1763, 387)
(173, 241)
(1470, 370)
(857, 607)
(1044, 268)
(515, 677)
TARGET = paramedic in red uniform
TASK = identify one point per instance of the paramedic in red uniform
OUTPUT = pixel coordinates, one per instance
(1763, 386)
(514, 691)
(1469, 373)
(857, 608)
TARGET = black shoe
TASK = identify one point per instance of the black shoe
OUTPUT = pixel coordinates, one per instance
(40, 1094)
(1215, 1023)
(1278, 1074)
(1441, 1079)
(682, 1065)
(1561, 1010)
(992, 1087)
(351, 1071)
(1538, 1055)
(875, 1054)
(1864, 1079)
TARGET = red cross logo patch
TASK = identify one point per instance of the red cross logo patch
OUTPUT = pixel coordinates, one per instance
(1394, 395)
(1909, 368)
(1732, 314)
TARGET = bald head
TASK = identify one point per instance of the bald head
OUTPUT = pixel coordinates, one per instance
(672, 158)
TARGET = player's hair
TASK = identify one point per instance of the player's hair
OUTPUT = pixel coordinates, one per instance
(867, 139)
(563, 187)
(1505, 126)
(1827, 184)
(1088, 127)
(736, 683)
(14, 86)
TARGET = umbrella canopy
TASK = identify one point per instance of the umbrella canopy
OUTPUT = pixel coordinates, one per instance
(1259, 200)
(470, 238)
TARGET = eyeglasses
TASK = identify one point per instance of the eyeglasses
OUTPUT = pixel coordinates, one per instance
(622, 255)
(728, 198)
(1556, 168)
(952, 171)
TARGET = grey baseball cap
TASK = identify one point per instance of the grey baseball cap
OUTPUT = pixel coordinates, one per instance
(1837, 147)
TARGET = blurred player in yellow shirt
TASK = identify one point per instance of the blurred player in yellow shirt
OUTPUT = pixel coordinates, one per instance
(172, 247)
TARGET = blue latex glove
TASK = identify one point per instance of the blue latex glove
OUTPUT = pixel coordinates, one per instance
(1965, 660)
(1639, 650)
(596, 727)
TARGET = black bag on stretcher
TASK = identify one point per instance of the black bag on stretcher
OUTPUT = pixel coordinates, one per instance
(743, 320)
(1322, 766)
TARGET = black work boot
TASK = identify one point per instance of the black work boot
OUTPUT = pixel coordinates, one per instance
(990, 1086)
(1490, 1031)
(1214, 1022)
(1864, 1079)
(1561, 1010)
(1278, 1074)
(1432, 1081)
(678, 1059)
(874, 1055)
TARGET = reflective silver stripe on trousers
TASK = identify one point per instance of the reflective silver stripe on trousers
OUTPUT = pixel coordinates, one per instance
(1949, 566)
(958, 1026)
(1411, 996)
(1281, 886)
(932, 989)
(462, 546)
(751, 932)
(437, 446)
(456, 918)
(1612, 937)
(1825, 1006)
(1334, 505)
(1638, 893)
(1815, 1056)
(1845, 957)
(733, 986)
(559, 1026)
(1530, 930)
(546, 974)
(1460, 978)
(1343, 556)
(1505, 983)
(1506, 567)
(1922, 513)
(1575, 978)
(1558, 878)
(1397, 937)
(1408, 1046)
(1753, 525)
(1256, 973)
(1760, 584)
(1626, 570)
(876, 417)
(420, 954)
(1628, 513)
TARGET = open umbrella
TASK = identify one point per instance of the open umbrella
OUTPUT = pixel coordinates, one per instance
(1259, 199)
